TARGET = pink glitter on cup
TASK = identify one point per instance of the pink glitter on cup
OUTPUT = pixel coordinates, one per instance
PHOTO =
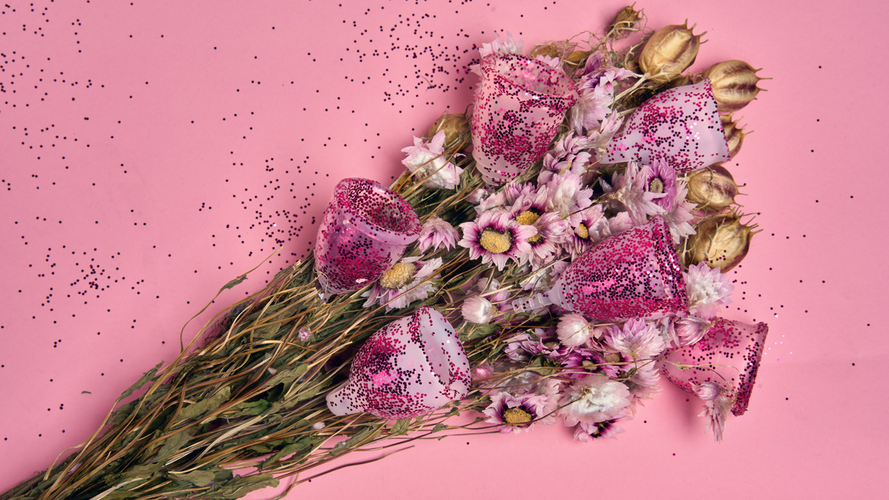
(518, 108)
(635, 274)
(410, 367)
(728, 355)
(362, 234)
(680, 126)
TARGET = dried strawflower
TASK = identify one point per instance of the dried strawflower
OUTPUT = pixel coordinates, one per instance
(455, 127)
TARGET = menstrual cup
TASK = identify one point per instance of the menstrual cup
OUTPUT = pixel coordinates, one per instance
(728, 355)
(410, 367)
(635, 274)
(362, 234)
(680, 126)
(518, 108)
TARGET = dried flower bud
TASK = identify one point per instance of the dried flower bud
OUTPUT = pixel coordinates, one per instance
(734, 84)
(455, 126)
(734, 137)
(548, 50)
(669, 52)
(577, 57)
(721, 241)
(625, 20)
(713, 189)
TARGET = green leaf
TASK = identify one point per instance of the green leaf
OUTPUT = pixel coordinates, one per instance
(205, 406)
(235, 282)
(365, 433)
(439, 427)
(287, 375)
(139, 383)
(303, 445)
(400, 428)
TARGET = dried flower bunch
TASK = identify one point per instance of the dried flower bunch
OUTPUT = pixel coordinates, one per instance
(527, 289)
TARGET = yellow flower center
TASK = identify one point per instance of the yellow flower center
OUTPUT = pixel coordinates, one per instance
(527, 218)
(582, 231)
(656, 186)
(495, 241)
(517, 416)
(400, 275)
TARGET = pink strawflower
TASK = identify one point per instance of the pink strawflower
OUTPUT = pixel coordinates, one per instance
(637, 340)
(478, 310)
(707, 289)
(644, 382)
(595, 398)
(568, 195)
(497, 239)
(628, 192)
(678, 217)
(409, 280)
(428, 160)
(574, 330)
(499, 46)
(515, 413)
(718, 402)
(506, 197)
(437, 234)
(690, 329)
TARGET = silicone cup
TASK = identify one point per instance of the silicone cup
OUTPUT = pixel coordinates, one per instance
(728, 354)
(635, 274)
(410, 367)
(362, 234)
(519, 106)
(680, 126)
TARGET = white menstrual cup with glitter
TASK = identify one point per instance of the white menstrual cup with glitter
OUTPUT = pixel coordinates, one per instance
(519, 106)
(410, 367)
(635, 274)
(362, 234)
(728, 355)
(680, 126)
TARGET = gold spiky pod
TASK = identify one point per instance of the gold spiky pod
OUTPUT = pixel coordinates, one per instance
(734, 84)
(722, 241)
(669, 52)
(712, 189)
(734, 135)
(625, 21)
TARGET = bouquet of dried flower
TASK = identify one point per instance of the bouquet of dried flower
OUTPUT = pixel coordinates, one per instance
(595, 224)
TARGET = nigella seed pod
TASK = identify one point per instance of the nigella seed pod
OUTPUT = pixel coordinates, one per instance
(734, 137)
(669, 52)
(713, 189)
(456, 129)
(734, 84)
(625, 20)
(721, 241)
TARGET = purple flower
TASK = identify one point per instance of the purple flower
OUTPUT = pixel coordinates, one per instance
(515, 413)
(406, 282)
(660, 178)
(497, 239)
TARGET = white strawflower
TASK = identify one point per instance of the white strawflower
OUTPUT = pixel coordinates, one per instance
(573, 330)
(478, 310)
(594, 399)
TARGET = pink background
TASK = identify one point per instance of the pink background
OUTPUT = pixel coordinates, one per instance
(152, 150)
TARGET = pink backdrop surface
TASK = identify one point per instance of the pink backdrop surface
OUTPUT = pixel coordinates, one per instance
(150, 151)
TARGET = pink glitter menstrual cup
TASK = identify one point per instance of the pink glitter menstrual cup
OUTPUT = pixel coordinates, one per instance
(680, 126)
(518, 108)
(363, 232)
(410, 367)
(728, 355)
(635, 274)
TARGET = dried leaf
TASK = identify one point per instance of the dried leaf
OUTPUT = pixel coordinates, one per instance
(235, 282)
(139, 383)
(239, 486)
(303, 445)
(173, 443)
(198, 478)
(206, 405)
(250, 408)
(400, 428)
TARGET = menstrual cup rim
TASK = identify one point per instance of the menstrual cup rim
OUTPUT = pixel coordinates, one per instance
(564, 80)
(366, 223)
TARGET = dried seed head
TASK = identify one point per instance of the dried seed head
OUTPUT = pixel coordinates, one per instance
(625, 20)
(734, 84)
(549, 50)
(669, 52)
(456, 128)
(721, 241)
(734, 137)
(713, 189)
